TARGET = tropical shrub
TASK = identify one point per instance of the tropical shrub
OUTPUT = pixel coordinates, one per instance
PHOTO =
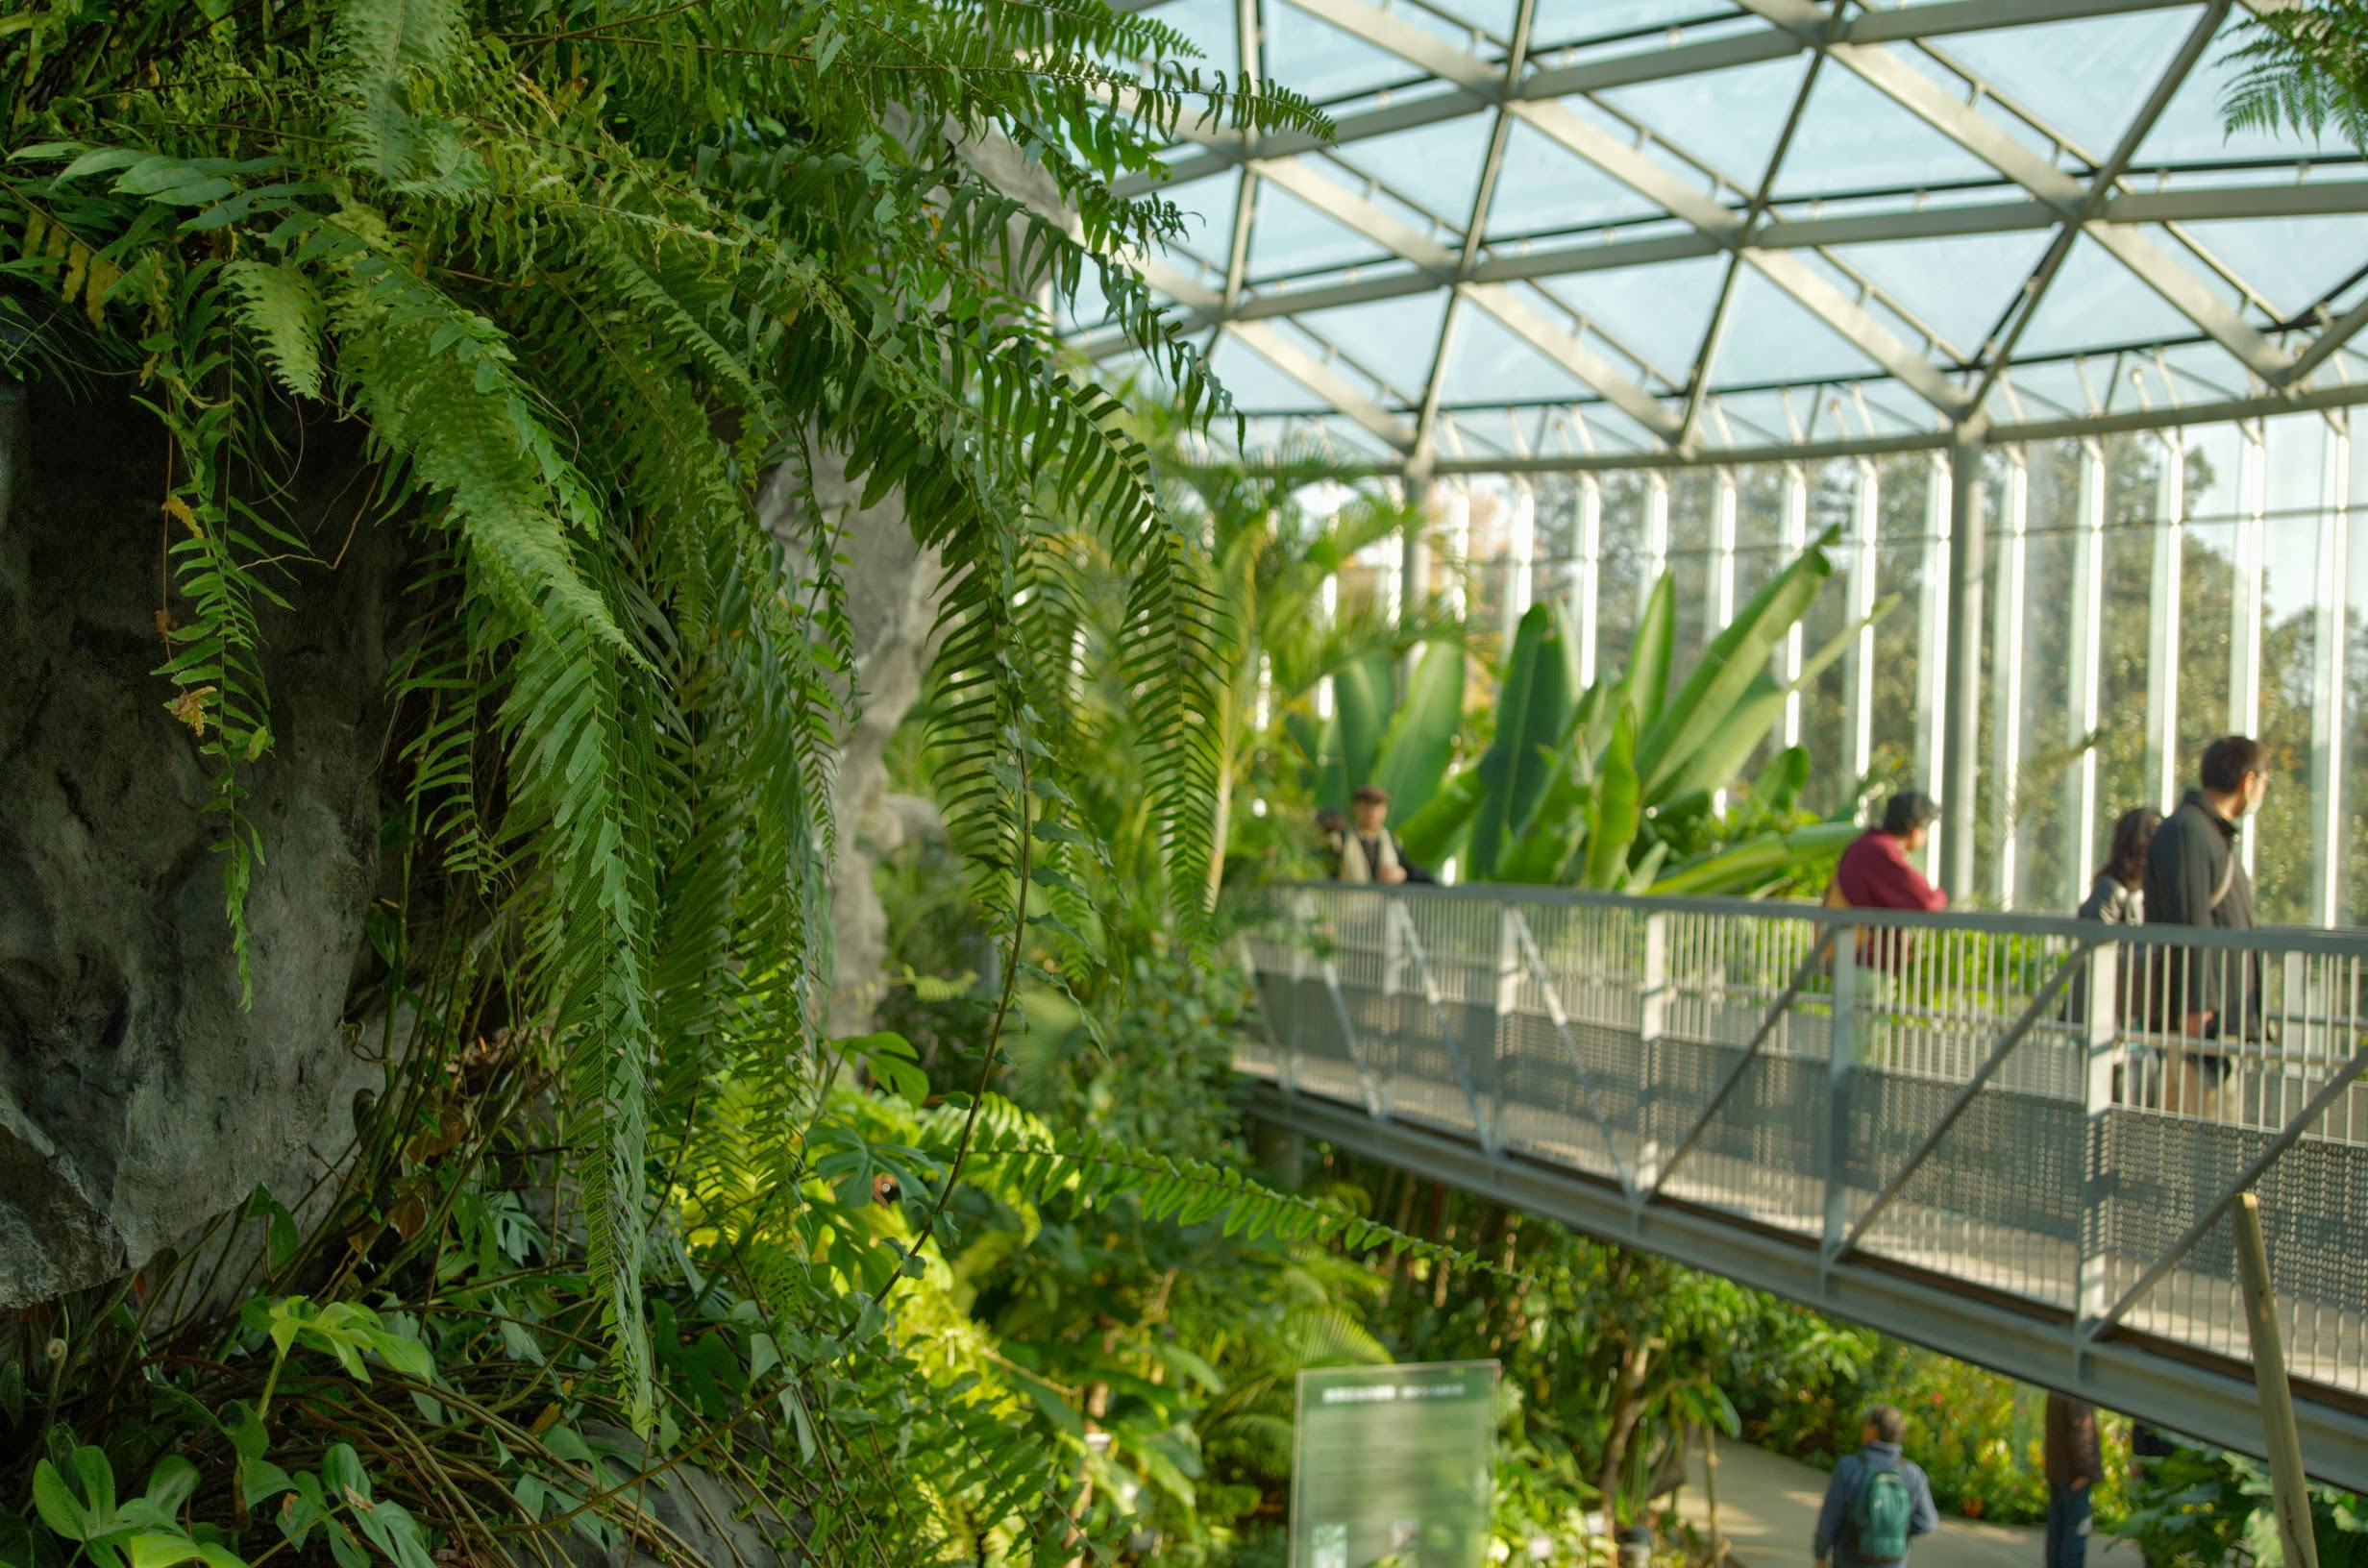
(584, 287)
(2199, 1507)
(1614, 786)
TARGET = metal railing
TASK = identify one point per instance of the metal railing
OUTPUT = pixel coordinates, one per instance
(2045, 1115)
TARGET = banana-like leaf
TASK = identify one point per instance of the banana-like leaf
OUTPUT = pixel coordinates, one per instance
(1539, 856)
(1313, 737)
(1645, 684)
(1648, 867)
(1422, 738)
(1759, 860)
(1778, 788)
(1618, 807)
(1431, 835)
(1361, 698)
(1734, 659)
(1533, 715)
(1715, 763)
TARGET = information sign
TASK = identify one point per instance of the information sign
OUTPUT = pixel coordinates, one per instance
(1394, 1467)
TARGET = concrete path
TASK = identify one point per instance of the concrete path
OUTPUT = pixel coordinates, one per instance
(1767, 1509)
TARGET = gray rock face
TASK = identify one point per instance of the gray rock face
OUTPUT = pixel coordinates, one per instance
(891, 584)
(137, 1098)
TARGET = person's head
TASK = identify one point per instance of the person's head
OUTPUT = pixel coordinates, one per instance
(2132, 834)
(1909, 817)
(2236, 773)
(1371, 804)
(1884, 1424)
(1330, 822)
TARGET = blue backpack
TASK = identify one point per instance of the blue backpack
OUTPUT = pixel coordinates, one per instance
(1879, 1516)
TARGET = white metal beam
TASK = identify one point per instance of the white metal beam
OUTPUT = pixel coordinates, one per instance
(1408, 243)
(1322, 379)
(2301, 199)
(1893, 75)
(1945, 16)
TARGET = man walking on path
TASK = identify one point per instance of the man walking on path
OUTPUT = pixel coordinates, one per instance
(2195, 875)
(2075, 1464)
(1877, 1501)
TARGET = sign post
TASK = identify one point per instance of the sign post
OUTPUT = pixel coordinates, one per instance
(1394, 1467)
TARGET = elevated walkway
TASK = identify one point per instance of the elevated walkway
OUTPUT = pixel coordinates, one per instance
(1992, 1135)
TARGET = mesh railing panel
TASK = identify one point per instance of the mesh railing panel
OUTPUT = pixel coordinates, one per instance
(2035, 1107)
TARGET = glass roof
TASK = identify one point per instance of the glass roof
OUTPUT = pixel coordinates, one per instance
(1555, 233)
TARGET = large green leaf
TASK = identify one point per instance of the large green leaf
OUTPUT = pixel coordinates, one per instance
(1533, 715)
(1646, 682)
(1618, 808)
(1555, 832)
(1432, 833)
(1734, 659)
(1778, 788)
(1313, 738)
(1361, 702)
(1722, 754)
(1759, 860)
(1421, 737)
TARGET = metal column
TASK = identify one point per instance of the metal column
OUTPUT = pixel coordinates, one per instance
(2327, 715)
(1968, 554)
(1520, 553)
(2005, 650)
(1656, 538)
(1721, 586)
(1859, 704)
(2245, 608)
(1794, 536)
(2163, 765)
(2082, 715)
(1587, 582)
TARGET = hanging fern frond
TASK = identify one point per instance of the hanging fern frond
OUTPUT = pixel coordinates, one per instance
(2302, 69)
(586, 282)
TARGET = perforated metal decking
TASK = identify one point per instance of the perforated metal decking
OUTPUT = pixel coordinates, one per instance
(2001, 1137)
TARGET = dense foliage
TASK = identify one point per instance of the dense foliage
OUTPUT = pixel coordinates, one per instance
(602, 291)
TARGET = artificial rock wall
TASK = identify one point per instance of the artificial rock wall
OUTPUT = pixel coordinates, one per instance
(137, 1098)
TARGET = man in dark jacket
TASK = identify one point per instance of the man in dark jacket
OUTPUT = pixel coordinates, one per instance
(2075, 1464)
(2195, 875)
(1879, 1452)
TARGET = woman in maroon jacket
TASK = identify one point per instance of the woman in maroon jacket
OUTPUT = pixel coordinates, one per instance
(1876, 873)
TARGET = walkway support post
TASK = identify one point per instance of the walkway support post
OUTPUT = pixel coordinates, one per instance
(1840, 1061)
(2290, 1493)
(2099, 1040)
(1968, 561)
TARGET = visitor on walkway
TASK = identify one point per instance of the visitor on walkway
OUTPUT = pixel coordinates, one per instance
(1877, 871)
(2195, 875)
(2118, 895)
(1876, 1503)
(2075, 1465)
(1372, 853)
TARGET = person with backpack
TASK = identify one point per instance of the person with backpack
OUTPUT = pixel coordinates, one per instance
(1877, 1502)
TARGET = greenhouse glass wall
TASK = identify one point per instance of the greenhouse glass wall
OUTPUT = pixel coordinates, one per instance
(1986, 286)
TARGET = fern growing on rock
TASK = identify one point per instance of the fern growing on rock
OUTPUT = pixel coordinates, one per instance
(588, 277)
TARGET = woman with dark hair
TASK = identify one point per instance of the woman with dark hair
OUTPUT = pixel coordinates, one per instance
(2119, 895)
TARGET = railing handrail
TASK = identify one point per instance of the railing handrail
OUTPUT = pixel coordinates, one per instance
(2349, 943)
